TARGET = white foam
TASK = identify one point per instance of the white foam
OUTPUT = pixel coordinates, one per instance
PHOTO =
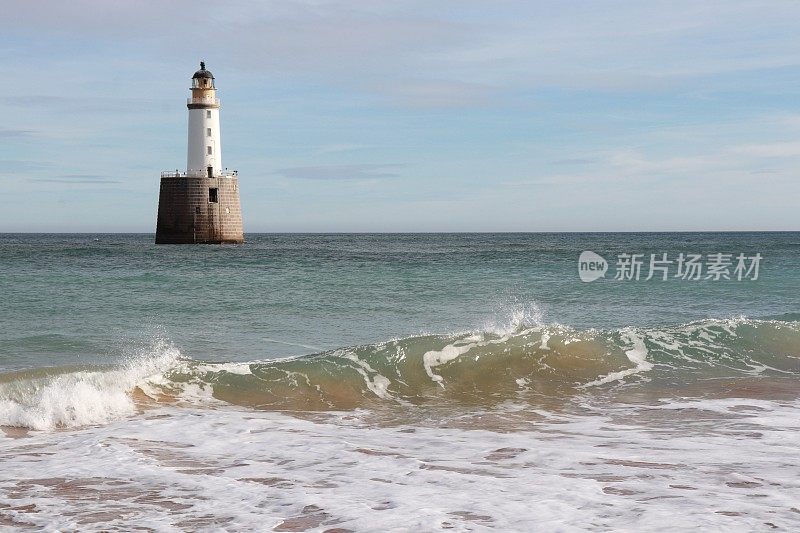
(637, 355)
(81, 398)
(434, 358)
(375, 382)
(67, 401)
(238, 469)
(545, 338)
(241, 369)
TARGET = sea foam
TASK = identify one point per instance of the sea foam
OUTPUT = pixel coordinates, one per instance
(83, 397)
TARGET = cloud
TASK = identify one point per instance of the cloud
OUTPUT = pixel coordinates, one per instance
(716, 164)
(76, 179)
(627, 45)
(575, 161)
(81, 104)
(98, 17)
(438, 94)
(463, 52)
(16, 165)
(339, 172)
(337, 148)
(771, 150)
(15, 134)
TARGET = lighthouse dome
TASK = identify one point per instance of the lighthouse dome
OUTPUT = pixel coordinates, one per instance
(202, 73)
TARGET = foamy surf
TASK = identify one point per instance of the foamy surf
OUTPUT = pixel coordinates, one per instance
(532, 364)
(597, 467)
(45, 400)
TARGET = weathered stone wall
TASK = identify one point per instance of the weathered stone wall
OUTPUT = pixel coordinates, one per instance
(185, 214)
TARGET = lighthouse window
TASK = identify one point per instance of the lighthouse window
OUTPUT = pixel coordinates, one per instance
(208, 132)
(208, 150)
(212, 195)
(208, 113)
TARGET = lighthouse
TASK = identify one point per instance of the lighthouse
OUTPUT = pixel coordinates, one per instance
(201, 205)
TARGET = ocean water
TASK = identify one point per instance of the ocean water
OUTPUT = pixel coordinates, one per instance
(399, 382)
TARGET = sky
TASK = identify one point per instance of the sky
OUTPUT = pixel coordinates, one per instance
(389, 116)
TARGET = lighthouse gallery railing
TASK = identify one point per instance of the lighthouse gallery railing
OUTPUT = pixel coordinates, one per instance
(198, 174)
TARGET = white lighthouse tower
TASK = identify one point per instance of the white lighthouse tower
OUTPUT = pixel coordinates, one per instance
(204, 149)
(202, 204)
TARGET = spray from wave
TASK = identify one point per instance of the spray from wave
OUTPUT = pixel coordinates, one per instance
(53, 398)
(522, 360)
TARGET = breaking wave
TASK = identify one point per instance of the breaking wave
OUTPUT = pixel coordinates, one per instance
(519, 361)
(48, 398)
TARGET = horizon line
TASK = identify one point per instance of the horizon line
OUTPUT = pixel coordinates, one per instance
(403, 232)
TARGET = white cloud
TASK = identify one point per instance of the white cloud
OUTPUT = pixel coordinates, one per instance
(339, 172)
(383, 46)
(770, 150)
(438, 94)
(337, 148)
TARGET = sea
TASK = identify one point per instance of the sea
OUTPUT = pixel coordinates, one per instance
(401, 382)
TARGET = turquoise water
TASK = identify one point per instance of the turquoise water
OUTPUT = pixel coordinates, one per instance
(89, 298)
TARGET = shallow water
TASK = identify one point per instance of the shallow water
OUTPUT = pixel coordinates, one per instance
(393, 383)
(690, 463)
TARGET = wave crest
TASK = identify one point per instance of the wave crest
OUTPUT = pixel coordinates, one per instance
(523, 362)
(57, 398)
